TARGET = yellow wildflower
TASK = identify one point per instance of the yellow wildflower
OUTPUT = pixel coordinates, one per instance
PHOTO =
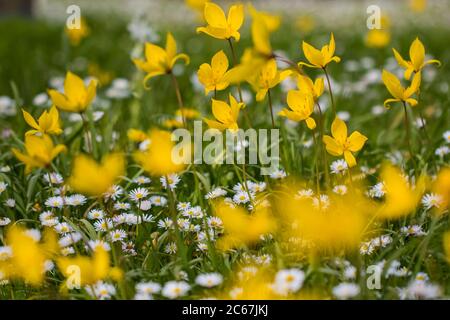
(94, 179)
(75, 35)
(268, 77)
(341, 144)
(48, 122)
(225, 114)
(222, 27)
(306, 85)
(77, 97)
(136, 135)
(446, 245)
(301, 107)
(212, 76)
(319, 58)
(159, 60)
(377, 38)
(40, 152)
(400, 93)
(417, 59)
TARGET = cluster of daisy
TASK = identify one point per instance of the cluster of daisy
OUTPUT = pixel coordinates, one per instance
(368, 247)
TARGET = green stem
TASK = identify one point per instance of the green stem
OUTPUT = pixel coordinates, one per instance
(331, 91)
(271, 108)
(179, 98)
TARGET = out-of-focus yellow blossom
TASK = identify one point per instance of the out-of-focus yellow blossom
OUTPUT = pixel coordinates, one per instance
(301, 107)
(441, 186)
(158, 160)
(159, 61)
(340, 143)
(104, 77)
(136, 135)
(172, 123)
(212, 76)
(333, 224)
(75, 35)
(400, 93)
(401, 199)
(378, 38)
(219, 26)
(77, 97)
(319, 58)
(197, 5)
(446, 245)
(242, 228)
(94, 179)
(91, 269)
(272, 22)
(188, 113)
(29, 256)
(306, 85)
(48, 122)
(39, 152)
(305, 23)
(225, 114)
(418, 5)
(417, 59)
(261, 39)
(268, 77)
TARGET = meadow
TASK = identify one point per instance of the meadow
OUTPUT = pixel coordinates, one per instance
(93, 205)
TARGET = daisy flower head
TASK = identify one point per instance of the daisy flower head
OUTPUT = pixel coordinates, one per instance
(215, 193)
(138, 194)
(340, 189)
(304, 194)
(175, 289)
(346, 290)
(288, 281)
(181, 206)
(122, 206)
(48, 219)
(145, 205)
(4, 221)
(171, 248)
(339, 166)
(170, 181)
(103, 225)
(53, 178)
(95, 214)
(278, 174)
(241, 197)
(148, 287)
(96, 244)
(55, 202)
(63, 227)
(209, 280)
(117, 235)
(432, 200)
(3, 186)
(321, 202)
(442, 151)
(142, 180)
(101, 290)
(5, 253)
(165, 223)
(76, 200)
(158, 201)
(446, 136)
(413, 230)
(11, 203)
(378, 190)
(114, 192)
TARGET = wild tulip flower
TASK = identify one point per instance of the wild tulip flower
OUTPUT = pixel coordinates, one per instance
(93, 179)
(219, 26)
(416, 59)
(48, 122)
(159, 61)
(340, 143)
(301, 107)
(75, 35)
(306, 85)
(39, 152)
(76, 97)
(268, 77)
(400, 93)
(319, 58)
(225, 114)
(212, 76)
(272, 22)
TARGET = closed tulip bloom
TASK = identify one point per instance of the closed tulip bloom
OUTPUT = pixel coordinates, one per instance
(39, 152)
(219, 26)
(340, 143)
(306, 85)
(319, 58)
(416, 59)
(76, 97)
(301, 106)
(400, 93)
(268, 77)
(48, 122)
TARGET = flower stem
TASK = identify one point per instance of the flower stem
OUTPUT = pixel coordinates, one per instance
(316, 165)
(331, 91)
(179, 98)
(87, 133)
(321, 134)
(408, 136)
(271, 108)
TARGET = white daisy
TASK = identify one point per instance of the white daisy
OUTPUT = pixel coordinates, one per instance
(48, 219)
(431, 200)
(54, 177)
(215, 193)
(241, 197)
(413, 230)
(446, 136)
(114, 192)
(304, 193)
(181, 206)
(288, 281)
(4, 221)
(442, 151)
(165, 223)
(5, 253)
(148, 287)
(54, 202)
(158, 201)
(209, 280)
(142, 180)
(340, 189)
(3, 186)
(95, 214)
(117, 235)
(10, 202)
(322, 202)
(172, 181)
(145, 205)
(103, 225)
(422, 290)
(95, 244)
(278, 174)
(122, 206)
(346, 290)
(63, 227)
(138, 194)
(101, 290)
(175, 289)
(171, 248)
(75, 200)
(338, 166)
(378, 190)
(67, 251)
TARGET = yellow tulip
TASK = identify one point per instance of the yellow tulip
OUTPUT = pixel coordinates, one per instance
(417, 59)
(77, 97)
(341, 144)
(28, 255)
(219, 26)
(441, 186)
(319, 58)
(40, 152)
(268, 77)
(91, 269)
(212, 76)
(93, 179)
(378, 38)
(225, 114)
(272, 22)
(301, 107)
(401, 199)
(159, 61)
(75, 35)
(48, 122)
(306, 85)
(136, 135)
(262, 25)
(158, 160)
(400, 93)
